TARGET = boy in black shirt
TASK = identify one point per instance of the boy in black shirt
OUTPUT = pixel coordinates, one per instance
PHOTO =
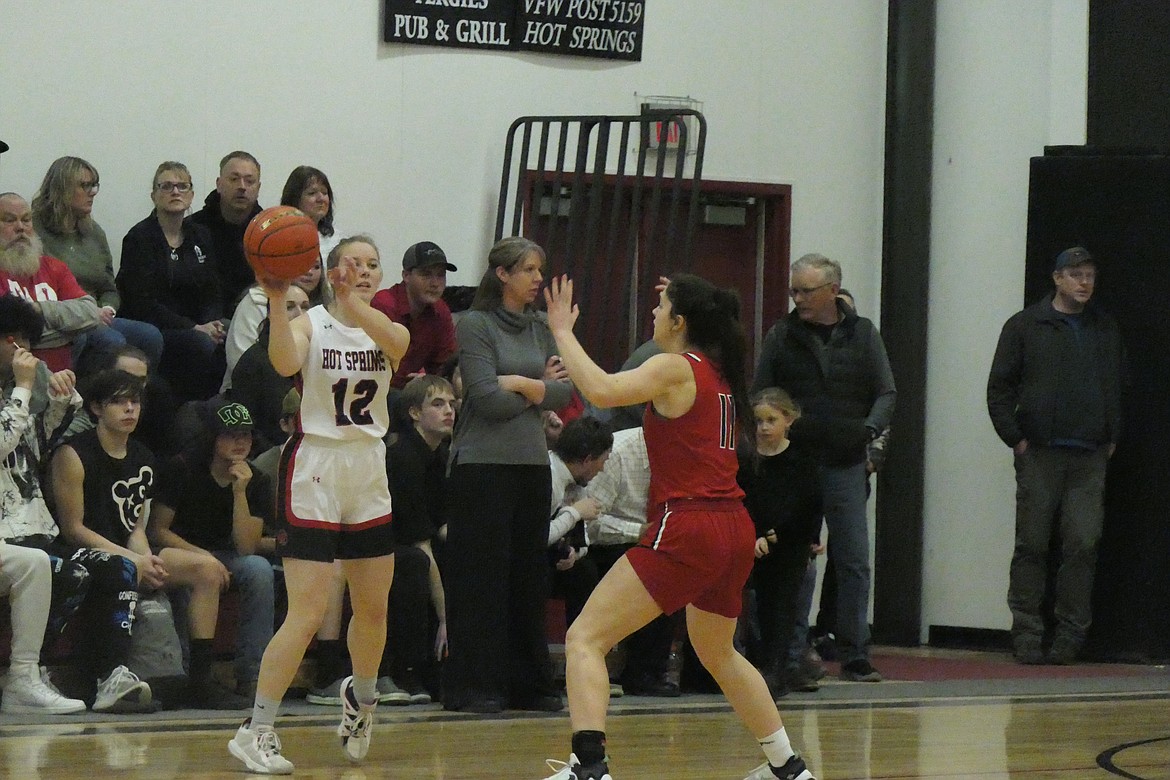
(416, 466)
(101, 481)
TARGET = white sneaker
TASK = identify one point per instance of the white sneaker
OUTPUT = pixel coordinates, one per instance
(122, 691)
(357, 721)
(573, 770)
(47, 679)
(389, 693)
(259, 750)
(31, 695)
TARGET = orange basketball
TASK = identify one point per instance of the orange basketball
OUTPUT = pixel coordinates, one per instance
(281, 241)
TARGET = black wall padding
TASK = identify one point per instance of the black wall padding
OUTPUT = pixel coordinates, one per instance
(1118, 207)
(1129, 73)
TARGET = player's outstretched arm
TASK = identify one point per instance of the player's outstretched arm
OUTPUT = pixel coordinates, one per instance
(391, 337)
(288, 342)
(655, 378)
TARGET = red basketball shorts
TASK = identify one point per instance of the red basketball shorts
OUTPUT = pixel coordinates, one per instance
(697, 552)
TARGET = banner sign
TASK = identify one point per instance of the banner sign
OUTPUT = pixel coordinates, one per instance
(607, 29)
(474, 24)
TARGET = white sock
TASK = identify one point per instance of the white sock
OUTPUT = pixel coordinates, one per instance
(777, 747)
(264, 713)
(365, 690)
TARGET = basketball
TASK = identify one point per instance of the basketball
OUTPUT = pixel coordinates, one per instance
(282, 242)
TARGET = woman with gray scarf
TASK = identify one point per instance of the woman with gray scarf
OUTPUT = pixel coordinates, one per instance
(496, 572)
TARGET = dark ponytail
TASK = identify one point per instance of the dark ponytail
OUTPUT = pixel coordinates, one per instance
(714, 328)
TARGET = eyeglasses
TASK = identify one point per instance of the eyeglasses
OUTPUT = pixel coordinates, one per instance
(90, 186)
(806, 291)
(173, 186)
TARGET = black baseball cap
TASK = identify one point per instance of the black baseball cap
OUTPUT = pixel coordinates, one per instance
(3, 147)
(423, 254)
(1073, 256)
(230, 417)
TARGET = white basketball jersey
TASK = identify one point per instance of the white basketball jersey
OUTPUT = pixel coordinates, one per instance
(343, 382)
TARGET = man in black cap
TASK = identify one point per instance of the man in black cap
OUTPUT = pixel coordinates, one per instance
(1054, 397)
(208, 518)
(417, 302)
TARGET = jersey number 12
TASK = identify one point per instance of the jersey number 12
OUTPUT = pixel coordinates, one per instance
(363, 393)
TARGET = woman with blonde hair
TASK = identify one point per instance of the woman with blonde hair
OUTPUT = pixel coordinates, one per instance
(333, 509)
(63, 217)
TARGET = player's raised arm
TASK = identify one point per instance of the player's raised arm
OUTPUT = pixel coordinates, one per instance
(650, 381)
(355, 279)
(288, 342)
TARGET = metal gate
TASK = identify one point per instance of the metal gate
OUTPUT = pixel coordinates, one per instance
(611, 200)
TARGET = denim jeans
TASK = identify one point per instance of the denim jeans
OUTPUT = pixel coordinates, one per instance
(843, 490)
(107, 338)
(252, 578)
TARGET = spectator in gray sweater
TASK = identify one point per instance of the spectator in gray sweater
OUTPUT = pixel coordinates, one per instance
(500, 492)
(63, 218)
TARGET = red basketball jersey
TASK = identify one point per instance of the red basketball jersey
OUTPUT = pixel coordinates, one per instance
(693, 456)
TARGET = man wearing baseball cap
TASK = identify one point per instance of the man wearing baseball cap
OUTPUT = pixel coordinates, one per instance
(1054, 397)
(417, 302)
(208, 517)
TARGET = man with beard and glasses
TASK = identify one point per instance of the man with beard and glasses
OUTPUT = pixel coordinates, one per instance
(43, 281)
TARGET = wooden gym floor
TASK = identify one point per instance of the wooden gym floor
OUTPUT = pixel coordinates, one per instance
(942, 714)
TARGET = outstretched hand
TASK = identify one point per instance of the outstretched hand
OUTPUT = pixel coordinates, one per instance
(343, 278)
(558, 298)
